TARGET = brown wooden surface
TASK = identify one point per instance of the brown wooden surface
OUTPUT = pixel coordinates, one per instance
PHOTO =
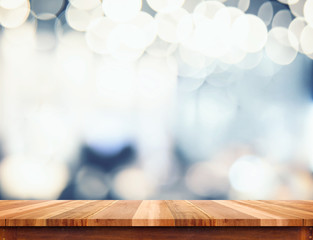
(224, 213)
(155, 233)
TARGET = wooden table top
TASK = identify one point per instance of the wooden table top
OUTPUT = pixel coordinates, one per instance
(155, 213)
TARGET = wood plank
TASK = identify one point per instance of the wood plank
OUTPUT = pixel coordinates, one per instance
(225, 216)
(266, 218)
(13, 204)
(291, 216)
(307, 216)
(154, 233)
(186, 214)
(78, 216)
(156, 213)
(6, 204)
(306, 206)
(25, 207)
(120, 213)
(39, 216)
(153, 213)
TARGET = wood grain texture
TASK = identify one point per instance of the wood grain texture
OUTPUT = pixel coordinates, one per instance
(153, 213)
(186, 214)
(225, 216)
(155, 233)
(78, 216)
(120, 213)
(106, 213)
(267, 218)
(39, 215)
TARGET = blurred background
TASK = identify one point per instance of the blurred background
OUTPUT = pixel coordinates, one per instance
(156, 99)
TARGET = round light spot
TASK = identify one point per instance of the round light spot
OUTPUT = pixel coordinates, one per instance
(295, 30)
(306, 39)
(297, 8)
(121, 10)
(11, 4)
(12, 18)
(226, 17)
(97, 34)
(80, 19)
(85, 5)
(190, 5)
(132, 183)
(208, 9)
(168, 24)
(249, 33)
(185, 28)
(278, 47)
(243, 5)
(211, 37)
(308, 10)
(165, 6)
(147, 24)
(250, 174)
(282, 19)
(24, 177)
(91, 183)
(266, 12)
(207, 179)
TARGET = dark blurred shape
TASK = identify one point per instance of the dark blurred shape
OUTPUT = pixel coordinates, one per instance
(101, 163)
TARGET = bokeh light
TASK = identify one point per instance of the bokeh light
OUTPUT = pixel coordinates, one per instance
(14, 17)
(295, 30)
(121, 10)
(278, 47)
(132, 183)
(282, 19)
(165, 6)
(156, 99)
(297, 8)
(306, 39)
(168, 24)
(307, 11)
(98, 33)
(266, 12)
(85, 5)
(26, 178)
(250, 174)
(80, 19)
(250, 33)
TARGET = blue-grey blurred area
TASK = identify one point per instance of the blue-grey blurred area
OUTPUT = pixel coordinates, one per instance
(180, 99)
